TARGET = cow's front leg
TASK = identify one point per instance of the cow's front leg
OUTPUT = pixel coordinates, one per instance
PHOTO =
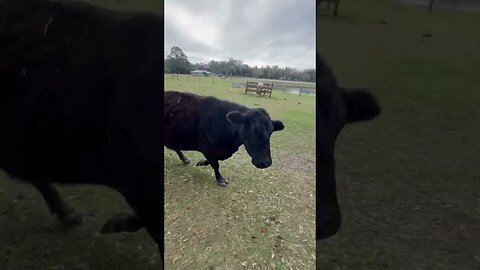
(182, 157)
(220, 180)
(148, 207)
(203, 163)
(65, 213)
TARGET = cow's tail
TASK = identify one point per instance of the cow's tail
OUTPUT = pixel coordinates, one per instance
(361, 105)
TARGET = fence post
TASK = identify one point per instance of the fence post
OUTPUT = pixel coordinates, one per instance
(335, 11)
(301, 88)
(430, 6)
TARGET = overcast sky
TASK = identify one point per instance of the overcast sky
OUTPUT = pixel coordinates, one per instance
(258, 32)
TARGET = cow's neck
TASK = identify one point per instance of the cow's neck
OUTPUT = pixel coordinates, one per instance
(235, 128)
(236, 138)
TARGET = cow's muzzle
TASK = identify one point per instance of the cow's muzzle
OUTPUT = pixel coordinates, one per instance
(263, 163)
(328, 222)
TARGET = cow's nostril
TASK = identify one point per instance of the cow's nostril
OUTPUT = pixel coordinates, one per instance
(266, 164)
(260, 165)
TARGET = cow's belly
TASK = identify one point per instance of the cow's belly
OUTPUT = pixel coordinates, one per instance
(176, 143)
(184, 141)
(180, 139)
(224, 155)
(181, 130)
(221, 152)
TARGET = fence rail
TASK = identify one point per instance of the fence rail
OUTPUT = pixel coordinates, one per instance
(292, 87)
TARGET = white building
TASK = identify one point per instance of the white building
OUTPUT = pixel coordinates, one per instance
(201, 72)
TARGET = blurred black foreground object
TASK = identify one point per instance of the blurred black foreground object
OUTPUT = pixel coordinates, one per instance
(336, 106)
(81, 94)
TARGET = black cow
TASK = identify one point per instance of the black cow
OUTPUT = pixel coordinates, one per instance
(337, 106)
(216, 128)
(81, 90)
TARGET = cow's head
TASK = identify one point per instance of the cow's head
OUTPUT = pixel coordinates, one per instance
(255, 130)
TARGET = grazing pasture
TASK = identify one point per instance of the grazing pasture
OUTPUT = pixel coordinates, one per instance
(284, 86)
(263, 218)
(408, 183)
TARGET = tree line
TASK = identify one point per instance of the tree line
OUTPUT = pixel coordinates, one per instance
(177, 62)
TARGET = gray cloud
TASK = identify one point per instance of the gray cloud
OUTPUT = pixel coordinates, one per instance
(258, 32)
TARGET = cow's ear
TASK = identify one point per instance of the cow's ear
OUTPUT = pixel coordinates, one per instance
(277, 125)
(235, 117)
(361, 105)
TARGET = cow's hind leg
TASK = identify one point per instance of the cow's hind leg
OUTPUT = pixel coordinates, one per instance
(182, 157)
(220, 180)
(64, 211)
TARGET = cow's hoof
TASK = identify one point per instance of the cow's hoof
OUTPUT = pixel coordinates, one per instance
(222, 183)
(122, 223)
(203, 163)
(71, 219)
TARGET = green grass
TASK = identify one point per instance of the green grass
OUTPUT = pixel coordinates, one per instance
(228, 81)
(408, 182)
(264, 218)
(30, 238)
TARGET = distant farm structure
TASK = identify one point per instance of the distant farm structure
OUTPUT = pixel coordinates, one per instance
(201, 72)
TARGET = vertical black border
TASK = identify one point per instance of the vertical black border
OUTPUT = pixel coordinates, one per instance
(162, 181)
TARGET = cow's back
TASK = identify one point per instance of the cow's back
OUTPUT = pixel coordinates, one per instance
(74, 77)
(193, 122)
(53, 95)
(181, 118)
